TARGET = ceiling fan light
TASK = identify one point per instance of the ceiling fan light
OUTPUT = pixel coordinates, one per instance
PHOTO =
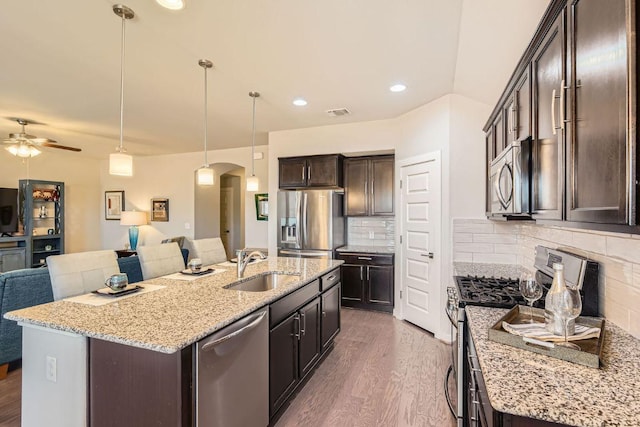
(253, 183)
(23, 150)
(205, 175)
(171, 4)
(120, 164)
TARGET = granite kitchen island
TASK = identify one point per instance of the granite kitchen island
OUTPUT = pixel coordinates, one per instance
(160, 326)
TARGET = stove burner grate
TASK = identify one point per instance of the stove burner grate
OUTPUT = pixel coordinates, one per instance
(489, 291)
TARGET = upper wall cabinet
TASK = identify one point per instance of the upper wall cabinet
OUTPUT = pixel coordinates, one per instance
(311, 171)
(578, 80)
(369, 186)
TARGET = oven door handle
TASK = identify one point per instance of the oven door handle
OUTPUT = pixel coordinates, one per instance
(446, 391)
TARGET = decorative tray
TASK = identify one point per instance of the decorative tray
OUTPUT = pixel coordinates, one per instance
(198, 273)
(129, 289)
(590, 348)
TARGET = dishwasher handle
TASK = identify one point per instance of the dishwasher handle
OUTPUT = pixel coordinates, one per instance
(210, 345)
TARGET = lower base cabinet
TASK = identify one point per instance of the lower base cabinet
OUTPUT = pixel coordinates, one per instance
(367, 281)
(297, 343)
(12, 259)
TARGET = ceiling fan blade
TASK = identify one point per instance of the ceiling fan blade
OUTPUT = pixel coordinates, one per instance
(62, 147)
(42, 140)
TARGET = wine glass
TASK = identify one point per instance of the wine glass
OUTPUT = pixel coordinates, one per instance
(569, 307)
(531, 290)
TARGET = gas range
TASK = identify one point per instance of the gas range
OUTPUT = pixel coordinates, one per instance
(488, 291)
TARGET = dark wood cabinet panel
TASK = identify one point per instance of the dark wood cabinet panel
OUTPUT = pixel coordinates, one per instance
(356, 183)
(369, 185)
(499, 133)
(382, 172)
(597, 142)
(522, 105)
(379, 285)
(330, 316)
(150, 388)
(351, 279)
(309, 336)
(311, 171)
(293, 173)
(548, 69)
(283, 361)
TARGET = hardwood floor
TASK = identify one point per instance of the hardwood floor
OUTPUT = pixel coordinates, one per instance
(381, 372)
(10, 390)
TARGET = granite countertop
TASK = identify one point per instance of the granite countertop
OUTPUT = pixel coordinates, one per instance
(176, 316)
(511, 271)
(532, 385)
(383, 250)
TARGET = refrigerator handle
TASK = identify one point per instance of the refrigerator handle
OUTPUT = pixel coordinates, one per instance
(298, 223)
(304, 219)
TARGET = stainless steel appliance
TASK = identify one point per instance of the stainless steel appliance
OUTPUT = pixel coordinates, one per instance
(510, 180)
(232, 374)
(504, 293)
(311, 223)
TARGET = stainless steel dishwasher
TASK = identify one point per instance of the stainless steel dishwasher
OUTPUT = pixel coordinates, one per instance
(232, 374)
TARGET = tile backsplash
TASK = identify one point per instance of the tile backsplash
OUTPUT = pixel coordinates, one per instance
(484, 241)
(371, 231)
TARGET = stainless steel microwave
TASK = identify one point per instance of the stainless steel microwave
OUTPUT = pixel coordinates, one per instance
(510, 180)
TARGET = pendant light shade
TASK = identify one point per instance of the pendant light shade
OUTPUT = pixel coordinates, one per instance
(205, 173)
(120, 163)
(253, 183)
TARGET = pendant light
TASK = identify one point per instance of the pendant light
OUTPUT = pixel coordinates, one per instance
(253, 183)
(121, 163)
(205, 173)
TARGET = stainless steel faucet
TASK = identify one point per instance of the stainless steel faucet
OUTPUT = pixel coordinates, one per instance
(243, 259)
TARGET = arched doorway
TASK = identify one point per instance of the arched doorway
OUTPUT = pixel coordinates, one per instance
(219, 209)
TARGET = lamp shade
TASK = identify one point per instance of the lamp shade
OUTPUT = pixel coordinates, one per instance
(205, 176)
(120, 164)
(133, 218)
(253, 183)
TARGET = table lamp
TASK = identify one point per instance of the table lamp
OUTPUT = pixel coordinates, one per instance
(133, 219)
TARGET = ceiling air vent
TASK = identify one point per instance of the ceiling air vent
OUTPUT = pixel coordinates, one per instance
(338, 112)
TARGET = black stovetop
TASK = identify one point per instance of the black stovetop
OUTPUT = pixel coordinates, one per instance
(488, 291)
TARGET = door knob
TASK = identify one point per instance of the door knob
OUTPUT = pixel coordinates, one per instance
(428, 255)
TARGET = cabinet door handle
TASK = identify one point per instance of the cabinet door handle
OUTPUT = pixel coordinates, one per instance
(331, 278)
(514, 110)
(309, 173)
(553, 112)
(296, 327)
(562, 113)
(365, 258)
(324, 314)
(368, 273)
(303, 172)
(361, 273)
(304, 324)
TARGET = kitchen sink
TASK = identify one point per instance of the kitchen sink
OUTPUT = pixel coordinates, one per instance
(263, 282)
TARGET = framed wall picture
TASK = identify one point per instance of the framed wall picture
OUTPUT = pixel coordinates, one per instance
(113, 204)
(160, 210)
(262, 206)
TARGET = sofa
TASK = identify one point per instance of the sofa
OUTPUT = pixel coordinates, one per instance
(32, 286)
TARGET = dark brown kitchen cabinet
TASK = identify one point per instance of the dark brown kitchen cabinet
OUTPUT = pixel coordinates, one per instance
(499, 133)
(369, 185)
(597, 127)
(517, 110)
(367, 281)
(549, 76)
(330, 316)
(311, 171)
(304, 324)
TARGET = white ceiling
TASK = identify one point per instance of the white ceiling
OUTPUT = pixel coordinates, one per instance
(61, 65)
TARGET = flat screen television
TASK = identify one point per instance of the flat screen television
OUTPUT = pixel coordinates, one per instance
(8, 211)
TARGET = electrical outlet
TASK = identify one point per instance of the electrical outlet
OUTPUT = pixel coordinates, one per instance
(187, 226)
(52, 369)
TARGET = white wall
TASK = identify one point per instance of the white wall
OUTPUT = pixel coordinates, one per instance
(82, 187)
(172, 177)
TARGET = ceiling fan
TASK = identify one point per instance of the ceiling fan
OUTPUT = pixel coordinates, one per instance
(24, 145)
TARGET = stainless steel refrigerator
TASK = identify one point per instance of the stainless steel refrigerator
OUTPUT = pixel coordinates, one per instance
(311, 223)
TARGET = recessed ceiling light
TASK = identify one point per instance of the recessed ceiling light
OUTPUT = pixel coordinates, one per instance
(299, 102)
(171, 4)
(397, 87)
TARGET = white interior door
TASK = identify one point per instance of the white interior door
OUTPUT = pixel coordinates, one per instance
(420, 204)
(227, 221)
